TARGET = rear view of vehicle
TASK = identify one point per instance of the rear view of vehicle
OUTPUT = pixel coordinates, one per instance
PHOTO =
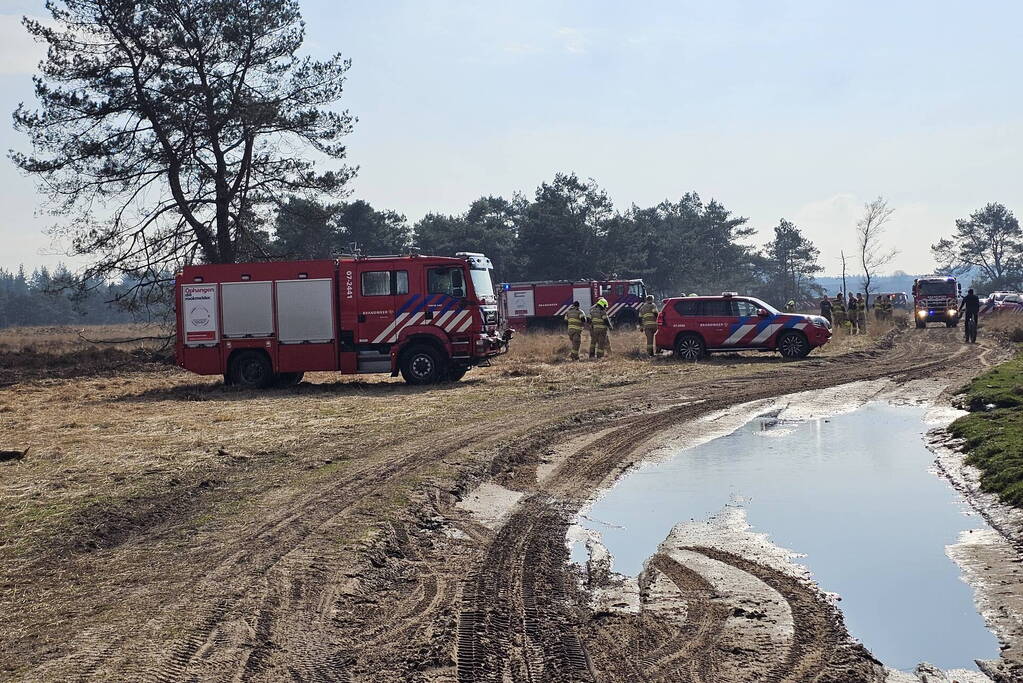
(900, 302)
(936, 300)
(695, 326)
(541, 304)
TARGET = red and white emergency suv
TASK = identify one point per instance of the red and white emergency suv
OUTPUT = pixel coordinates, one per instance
(430, 318)
(936, 300)
(696, 325)
(1002, 302)
(542, 303)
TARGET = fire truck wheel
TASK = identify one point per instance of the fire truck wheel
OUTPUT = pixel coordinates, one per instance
(252, 370)
(793, 345)
(455, 374)
(421, 365)
(690, 347)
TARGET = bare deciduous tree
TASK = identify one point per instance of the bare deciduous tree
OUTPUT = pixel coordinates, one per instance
(869, 231)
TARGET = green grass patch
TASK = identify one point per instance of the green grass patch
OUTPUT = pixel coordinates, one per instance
(993, 431)
(1001, 387)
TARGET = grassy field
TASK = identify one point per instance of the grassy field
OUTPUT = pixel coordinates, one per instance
(68, 339)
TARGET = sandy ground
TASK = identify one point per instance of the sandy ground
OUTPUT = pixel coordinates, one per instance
(166, 528)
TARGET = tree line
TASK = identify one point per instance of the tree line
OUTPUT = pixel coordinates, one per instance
(38, 298)
(569, 229)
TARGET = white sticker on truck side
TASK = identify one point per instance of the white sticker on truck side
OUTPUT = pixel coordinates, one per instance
(199, 312)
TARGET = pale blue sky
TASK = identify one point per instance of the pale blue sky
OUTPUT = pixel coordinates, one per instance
(802, 110)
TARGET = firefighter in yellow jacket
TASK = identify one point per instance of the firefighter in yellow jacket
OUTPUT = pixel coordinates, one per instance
(599, 325)
(838, 310)
(648, 319)
(575, 319)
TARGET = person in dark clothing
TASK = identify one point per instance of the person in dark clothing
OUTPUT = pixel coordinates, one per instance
(970, 308)
(826, 310)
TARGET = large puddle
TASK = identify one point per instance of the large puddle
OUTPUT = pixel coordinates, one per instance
(855, 493)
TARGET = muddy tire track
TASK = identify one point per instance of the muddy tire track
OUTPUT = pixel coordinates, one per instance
(705, 620)
(821, 649)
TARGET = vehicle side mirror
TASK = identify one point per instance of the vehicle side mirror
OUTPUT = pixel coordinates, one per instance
(457, 292)
(762, 313)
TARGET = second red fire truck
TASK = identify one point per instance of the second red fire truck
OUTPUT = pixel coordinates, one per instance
(936, 300)
(429, 318)
(541, 303)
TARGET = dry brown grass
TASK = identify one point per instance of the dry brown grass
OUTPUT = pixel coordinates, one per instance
(628, 346)
(1008, 324)
(67, 339)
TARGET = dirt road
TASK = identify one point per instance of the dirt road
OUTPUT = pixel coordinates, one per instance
(367, 568)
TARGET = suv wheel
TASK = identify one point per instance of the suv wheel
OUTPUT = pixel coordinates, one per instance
(422, 365)
(793, 345)
(690, 347)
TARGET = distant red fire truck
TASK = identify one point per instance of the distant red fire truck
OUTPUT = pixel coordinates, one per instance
(542, 303)
(430, 318)
(936, 300)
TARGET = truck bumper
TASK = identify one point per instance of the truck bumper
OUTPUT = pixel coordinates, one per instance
(933, 315)
(490, 345)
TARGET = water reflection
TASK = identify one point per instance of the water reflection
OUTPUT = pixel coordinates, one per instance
(855, 493)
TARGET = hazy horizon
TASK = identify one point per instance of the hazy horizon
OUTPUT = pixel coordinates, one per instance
(792, 110)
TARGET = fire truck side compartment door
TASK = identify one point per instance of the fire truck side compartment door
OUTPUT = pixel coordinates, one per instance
(582, 295)
(304, 311)
(520, 303)
(247, 309)
(199, 314)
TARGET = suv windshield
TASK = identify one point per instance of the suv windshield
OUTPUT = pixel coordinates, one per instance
(936, 288)
(766, 306)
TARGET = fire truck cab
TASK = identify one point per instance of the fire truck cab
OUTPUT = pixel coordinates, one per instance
(430, 318)
(936, 300)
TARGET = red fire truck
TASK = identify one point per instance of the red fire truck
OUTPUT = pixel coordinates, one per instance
(430, 318)
(542, 303)
(936, 300)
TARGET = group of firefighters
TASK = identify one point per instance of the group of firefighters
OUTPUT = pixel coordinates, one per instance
(852, 316)
(600, 324)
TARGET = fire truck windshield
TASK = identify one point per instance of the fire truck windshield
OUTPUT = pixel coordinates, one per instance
(636, 289)
(936, 288)
(483, 285)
